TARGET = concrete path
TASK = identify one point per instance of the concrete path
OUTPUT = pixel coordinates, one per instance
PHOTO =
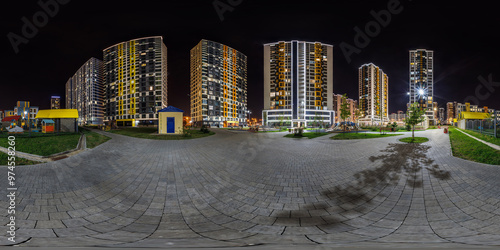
(258, 189)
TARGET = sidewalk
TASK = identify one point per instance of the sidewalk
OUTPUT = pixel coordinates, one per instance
(487, 143)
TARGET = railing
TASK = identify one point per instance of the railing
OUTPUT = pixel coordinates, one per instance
(490, 126)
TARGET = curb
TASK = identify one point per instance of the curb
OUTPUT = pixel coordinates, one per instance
(82, 145)
(491, 145)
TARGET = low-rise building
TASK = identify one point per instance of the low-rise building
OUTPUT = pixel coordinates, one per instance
(337, 104)
(25, 110)
(65, 120)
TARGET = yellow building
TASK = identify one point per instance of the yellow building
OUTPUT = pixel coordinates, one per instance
(218, 85)
(65, 120)
(135, 81)
(170, 121)
(466, 116)
(373, 94)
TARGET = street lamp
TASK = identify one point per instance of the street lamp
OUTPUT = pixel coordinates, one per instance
(248, 121)
(29, 125)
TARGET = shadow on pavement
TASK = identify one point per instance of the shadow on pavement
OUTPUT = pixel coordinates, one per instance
(399, 160)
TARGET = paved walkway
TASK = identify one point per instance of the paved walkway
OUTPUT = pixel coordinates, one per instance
(239, 189)
(485, 142)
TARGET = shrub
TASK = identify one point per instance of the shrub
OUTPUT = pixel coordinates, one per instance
(299, 132)
(204, 129)
(408, 127)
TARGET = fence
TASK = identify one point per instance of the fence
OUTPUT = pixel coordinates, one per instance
(490, 126)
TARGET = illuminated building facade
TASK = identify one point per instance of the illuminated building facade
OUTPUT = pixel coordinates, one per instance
(373, 94)
(298, 83)
(55, 102)
(422, 81)
(25, 110)
(135, 81)
(352, 105)
(218, 85)
(451, 112)
(85, 93)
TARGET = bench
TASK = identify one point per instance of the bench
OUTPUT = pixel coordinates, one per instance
(385, 129)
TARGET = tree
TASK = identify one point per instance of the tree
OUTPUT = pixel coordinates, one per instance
(344, 110)
(357, 113)
(414, 116)
(394, 125)
(316, 121)
(378, 109)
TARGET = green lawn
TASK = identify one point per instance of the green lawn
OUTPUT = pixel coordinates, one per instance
(271, 131)
(19, 161)
(470, 149)
(354, 136)
(151, 133)
(487, 138)
(44, 145)
(309, 135)
(94, 139)
(414, 140)
(314, 129)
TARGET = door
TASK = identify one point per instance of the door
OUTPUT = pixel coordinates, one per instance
(170, 125)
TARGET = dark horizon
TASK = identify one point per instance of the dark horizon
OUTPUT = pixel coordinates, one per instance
(463, 39)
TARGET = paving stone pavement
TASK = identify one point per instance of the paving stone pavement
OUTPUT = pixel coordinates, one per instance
(241, 189)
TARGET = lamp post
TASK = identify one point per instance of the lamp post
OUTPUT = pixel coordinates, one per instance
(29, 125)
(248, 121)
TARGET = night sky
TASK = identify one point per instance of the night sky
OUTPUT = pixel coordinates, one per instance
(465, 40)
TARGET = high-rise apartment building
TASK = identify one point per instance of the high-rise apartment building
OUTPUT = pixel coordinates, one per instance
(298, 83)
(422, 81)
(55, 102)
(451, 112)
(70, 94)
(373, 94)
(85, 93)
(218, 85)
(442, 118)
(135, 81)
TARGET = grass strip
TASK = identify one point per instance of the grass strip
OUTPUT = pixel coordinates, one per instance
(356, 136)
(470, 149)
(44, 145)
(309, 135)
(414, 140)
(151, 133)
